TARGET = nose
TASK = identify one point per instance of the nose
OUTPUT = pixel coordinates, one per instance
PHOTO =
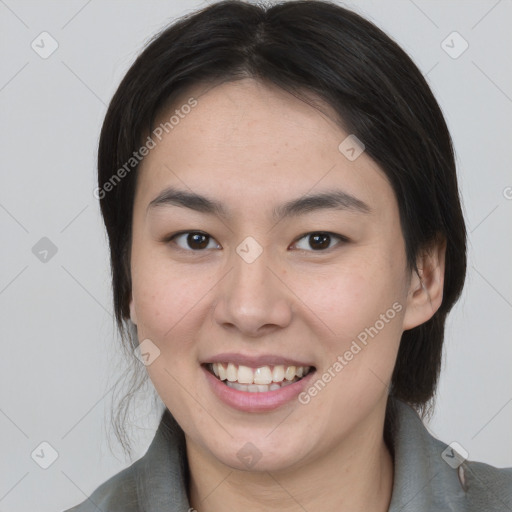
(253, 299)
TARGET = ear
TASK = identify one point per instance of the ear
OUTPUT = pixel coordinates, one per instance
(133, 315)
(426, 287)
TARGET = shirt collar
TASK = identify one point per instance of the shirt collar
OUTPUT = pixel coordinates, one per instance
(423, 479)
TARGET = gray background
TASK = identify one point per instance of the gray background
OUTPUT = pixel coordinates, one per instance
(60, 355)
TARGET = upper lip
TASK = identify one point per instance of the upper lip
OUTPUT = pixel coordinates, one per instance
(255, 361)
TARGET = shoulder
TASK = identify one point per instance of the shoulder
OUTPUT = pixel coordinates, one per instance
(117, 494)
(487, 487)
(155, 482)
(432, 475)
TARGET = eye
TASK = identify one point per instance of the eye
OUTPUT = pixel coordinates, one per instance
(320, 240)
(196, 241)
(193, 240)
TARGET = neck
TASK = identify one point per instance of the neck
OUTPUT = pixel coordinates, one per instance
(355, 475)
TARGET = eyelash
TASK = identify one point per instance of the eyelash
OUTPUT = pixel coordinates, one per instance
(342, 239)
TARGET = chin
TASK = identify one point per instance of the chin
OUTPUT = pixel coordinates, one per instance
(260, 453)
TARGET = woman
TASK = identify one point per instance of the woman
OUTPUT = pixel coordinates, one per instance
(279, 190)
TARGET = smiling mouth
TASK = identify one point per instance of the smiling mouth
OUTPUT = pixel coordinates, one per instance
(258, 380)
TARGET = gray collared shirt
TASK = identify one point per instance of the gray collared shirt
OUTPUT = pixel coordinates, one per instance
(428, 475)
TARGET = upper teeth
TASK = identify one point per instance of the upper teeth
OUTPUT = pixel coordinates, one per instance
(262, 375)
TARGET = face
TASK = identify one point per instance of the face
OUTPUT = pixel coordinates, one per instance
(270, 278)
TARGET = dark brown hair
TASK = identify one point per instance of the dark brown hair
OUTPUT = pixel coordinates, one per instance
(310, 48)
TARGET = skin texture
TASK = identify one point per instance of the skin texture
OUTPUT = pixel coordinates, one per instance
(253, 147)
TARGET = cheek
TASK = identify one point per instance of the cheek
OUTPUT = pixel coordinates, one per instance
(363, 309)
(168, 301)
(166, 294)
(362, 304)
(349, 297)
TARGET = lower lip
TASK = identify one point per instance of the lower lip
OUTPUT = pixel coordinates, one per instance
(256, 402)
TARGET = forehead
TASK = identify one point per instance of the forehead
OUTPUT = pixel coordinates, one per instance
(246, 142)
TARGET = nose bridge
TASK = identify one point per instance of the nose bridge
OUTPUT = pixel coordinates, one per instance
(251, 296)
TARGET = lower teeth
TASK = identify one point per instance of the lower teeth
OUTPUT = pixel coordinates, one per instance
(259, 388)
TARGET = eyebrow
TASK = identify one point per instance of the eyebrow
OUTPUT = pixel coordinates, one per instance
(333, 199)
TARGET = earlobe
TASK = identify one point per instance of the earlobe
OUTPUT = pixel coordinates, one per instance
(426, 287)
(133, 316)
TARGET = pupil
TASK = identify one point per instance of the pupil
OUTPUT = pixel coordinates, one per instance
(319, 241)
